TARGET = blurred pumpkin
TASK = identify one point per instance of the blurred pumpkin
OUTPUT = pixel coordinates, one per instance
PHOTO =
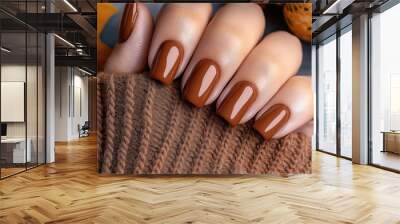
(104, 12)
(298, 18)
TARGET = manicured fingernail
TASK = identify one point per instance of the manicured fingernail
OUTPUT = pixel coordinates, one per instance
(237, 102)
(201, 82)
(272, 120)
(167, 61)
(127, 22)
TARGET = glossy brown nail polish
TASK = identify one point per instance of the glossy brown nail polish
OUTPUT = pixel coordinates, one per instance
(127, 22)
(201, 82)
(237, 102)
(167, 61)
(271, 121)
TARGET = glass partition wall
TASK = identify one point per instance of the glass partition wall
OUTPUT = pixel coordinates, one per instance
(334, 93)
(22, 77)
(13, 90)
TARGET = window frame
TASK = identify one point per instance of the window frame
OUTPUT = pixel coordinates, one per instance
(334, 37)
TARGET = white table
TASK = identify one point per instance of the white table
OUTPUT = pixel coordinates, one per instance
(18, 145)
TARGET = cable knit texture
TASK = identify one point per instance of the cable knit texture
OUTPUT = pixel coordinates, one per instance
(145, 127)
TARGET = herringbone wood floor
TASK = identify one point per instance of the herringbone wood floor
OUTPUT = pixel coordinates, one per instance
(70, 191)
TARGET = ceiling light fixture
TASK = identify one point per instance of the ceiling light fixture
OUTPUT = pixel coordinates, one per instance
(5, 50)
(337, 7)
(84, 71)
(79, 51)
(70, 5)
(64, 40)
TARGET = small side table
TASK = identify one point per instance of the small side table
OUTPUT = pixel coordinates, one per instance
(391, 141)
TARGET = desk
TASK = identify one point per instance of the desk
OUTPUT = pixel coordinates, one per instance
(391, 141)
(15, 148)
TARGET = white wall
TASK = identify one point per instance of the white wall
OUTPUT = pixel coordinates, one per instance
(81, 84)
(62, 82)
(70, 83)
(13, 101)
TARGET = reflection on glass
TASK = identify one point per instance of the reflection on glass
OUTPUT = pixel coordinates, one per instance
(15, 150)
(327, 97)
(385, 86)
(22, 90)
(346, 94)
(41, 99)
(31, 100)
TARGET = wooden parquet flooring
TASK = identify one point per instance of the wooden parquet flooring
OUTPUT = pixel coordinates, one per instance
(10, 171)
(70, 191)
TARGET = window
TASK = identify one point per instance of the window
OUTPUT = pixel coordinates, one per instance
(327, 96)
(346, 93)
(385, 89)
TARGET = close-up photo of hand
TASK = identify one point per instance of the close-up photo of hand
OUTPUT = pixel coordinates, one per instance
(222, 58)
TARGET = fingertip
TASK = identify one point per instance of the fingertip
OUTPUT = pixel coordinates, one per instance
(178, 29)
(130, 54)
(290, 108)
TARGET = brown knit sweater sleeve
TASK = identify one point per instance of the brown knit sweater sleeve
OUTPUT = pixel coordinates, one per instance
(162, 134)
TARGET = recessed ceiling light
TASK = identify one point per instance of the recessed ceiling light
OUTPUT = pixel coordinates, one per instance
(64, 40)
(70, 5)
(337, 7)
(84, 71)
(5, 50)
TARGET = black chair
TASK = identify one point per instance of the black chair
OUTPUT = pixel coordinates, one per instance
(84, 130)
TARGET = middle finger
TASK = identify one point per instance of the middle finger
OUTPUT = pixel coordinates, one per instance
(232, 33)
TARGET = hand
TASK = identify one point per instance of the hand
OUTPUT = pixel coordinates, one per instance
(222, 59)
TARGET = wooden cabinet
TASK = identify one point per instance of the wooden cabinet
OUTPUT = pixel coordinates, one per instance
(391, 141)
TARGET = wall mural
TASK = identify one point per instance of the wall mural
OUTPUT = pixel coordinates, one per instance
(204, 88)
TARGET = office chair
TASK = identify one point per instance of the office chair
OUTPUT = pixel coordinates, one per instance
(84, 130)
